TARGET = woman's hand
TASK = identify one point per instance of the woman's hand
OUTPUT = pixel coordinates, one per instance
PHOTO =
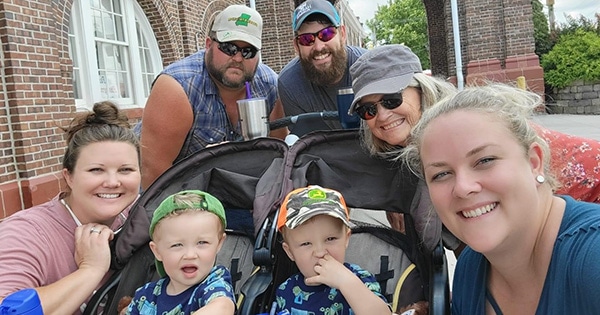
(92, 256)
(92, 246)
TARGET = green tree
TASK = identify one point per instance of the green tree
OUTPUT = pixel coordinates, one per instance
(402, 22)
(576, 56)
(541, 32)
(580, 23)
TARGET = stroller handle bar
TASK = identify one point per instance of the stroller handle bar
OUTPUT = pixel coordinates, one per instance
(290, 120)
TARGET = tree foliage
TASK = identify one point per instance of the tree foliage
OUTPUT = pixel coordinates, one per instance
(576, 56)
(402, 22)
(580, 23)
(541, 33)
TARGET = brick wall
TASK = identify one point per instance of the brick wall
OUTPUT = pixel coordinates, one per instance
(436, 28)
(277, 32)
(7, 167)
(497, 42)
(36, 84)
(34, 98)
(498, 29)
(36, 72)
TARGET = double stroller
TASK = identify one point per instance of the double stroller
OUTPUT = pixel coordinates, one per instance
(255, 176)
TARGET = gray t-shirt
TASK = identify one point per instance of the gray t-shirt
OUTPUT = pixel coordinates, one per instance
(299, 95)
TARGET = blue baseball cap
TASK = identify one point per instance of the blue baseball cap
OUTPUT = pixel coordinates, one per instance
(315, 6)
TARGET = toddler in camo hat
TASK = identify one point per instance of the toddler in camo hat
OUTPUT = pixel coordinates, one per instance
(314, 224)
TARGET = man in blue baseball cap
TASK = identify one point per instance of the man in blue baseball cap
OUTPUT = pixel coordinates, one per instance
(310, 82)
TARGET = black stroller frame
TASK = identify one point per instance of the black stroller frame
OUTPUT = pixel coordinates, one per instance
(256, 175)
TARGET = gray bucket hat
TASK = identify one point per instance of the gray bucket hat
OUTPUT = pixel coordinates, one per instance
(385, 69)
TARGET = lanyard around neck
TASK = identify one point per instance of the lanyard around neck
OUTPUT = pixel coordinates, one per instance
(71, 212)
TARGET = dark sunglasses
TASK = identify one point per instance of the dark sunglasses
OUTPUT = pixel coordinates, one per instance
(368, 111)
(325, 35)
(231, 49)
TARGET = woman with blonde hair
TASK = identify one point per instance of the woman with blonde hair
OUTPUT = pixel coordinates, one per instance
(488, 173)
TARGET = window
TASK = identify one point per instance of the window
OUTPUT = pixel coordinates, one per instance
(115, 56)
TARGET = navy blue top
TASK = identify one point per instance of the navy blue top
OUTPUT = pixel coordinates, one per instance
(573, 279)
(152, 298)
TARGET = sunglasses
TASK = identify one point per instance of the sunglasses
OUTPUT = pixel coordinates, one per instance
(325, 35)
(368, 111)
(231, 49)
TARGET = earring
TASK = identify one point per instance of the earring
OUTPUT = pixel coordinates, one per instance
(540, 179)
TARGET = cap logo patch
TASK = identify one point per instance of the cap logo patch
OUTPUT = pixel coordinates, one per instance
(226, 35)
(243, 20)
(303, 8)
(317, 194)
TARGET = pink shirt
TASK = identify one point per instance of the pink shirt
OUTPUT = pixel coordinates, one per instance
(37, 246)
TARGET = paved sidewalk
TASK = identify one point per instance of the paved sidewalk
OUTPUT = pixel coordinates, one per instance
(587, 126)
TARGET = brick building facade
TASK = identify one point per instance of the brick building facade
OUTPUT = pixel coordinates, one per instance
(36, 68)
(496, 39)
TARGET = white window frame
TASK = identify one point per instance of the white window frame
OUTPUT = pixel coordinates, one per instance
(85, 41)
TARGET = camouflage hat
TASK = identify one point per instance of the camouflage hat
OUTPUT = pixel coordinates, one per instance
(307, 202)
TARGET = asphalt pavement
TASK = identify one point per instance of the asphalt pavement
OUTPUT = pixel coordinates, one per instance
(587, 126)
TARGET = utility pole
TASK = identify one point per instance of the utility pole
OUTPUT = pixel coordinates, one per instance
(550, 4)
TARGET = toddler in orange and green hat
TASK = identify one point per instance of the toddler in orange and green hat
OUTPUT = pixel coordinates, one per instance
(187, 231)
(315, 227)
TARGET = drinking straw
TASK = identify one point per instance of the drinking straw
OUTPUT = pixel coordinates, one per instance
(248, 94)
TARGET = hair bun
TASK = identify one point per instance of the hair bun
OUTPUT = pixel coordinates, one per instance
(107, 113)
(103, 113)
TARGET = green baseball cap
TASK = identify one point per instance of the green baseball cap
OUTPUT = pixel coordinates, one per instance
(207, 202)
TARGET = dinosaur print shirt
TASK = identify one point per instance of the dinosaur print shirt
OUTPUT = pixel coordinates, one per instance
(296, 298)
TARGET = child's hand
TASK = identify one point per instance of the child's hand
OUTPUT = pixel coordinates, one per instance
(123, 304)
(329, 272)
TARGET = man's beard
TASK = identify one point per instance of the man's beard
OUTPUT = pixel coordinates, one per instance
(330, 75)
(218, 74)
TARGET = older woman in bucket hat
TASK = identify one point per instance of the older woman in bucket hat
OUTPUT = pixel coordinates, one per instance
(383, 79)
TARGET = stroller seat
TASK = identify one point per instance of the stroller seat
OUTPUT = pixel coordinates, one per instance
(256, 175)
(233, 173)
(404, 264)
(385, 253)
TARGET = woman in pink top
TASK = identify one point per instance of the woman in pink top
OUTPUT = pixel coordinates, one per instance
(61, 247)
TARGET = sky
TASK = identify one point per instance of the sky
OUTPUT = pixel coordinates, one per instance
(365, 9)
